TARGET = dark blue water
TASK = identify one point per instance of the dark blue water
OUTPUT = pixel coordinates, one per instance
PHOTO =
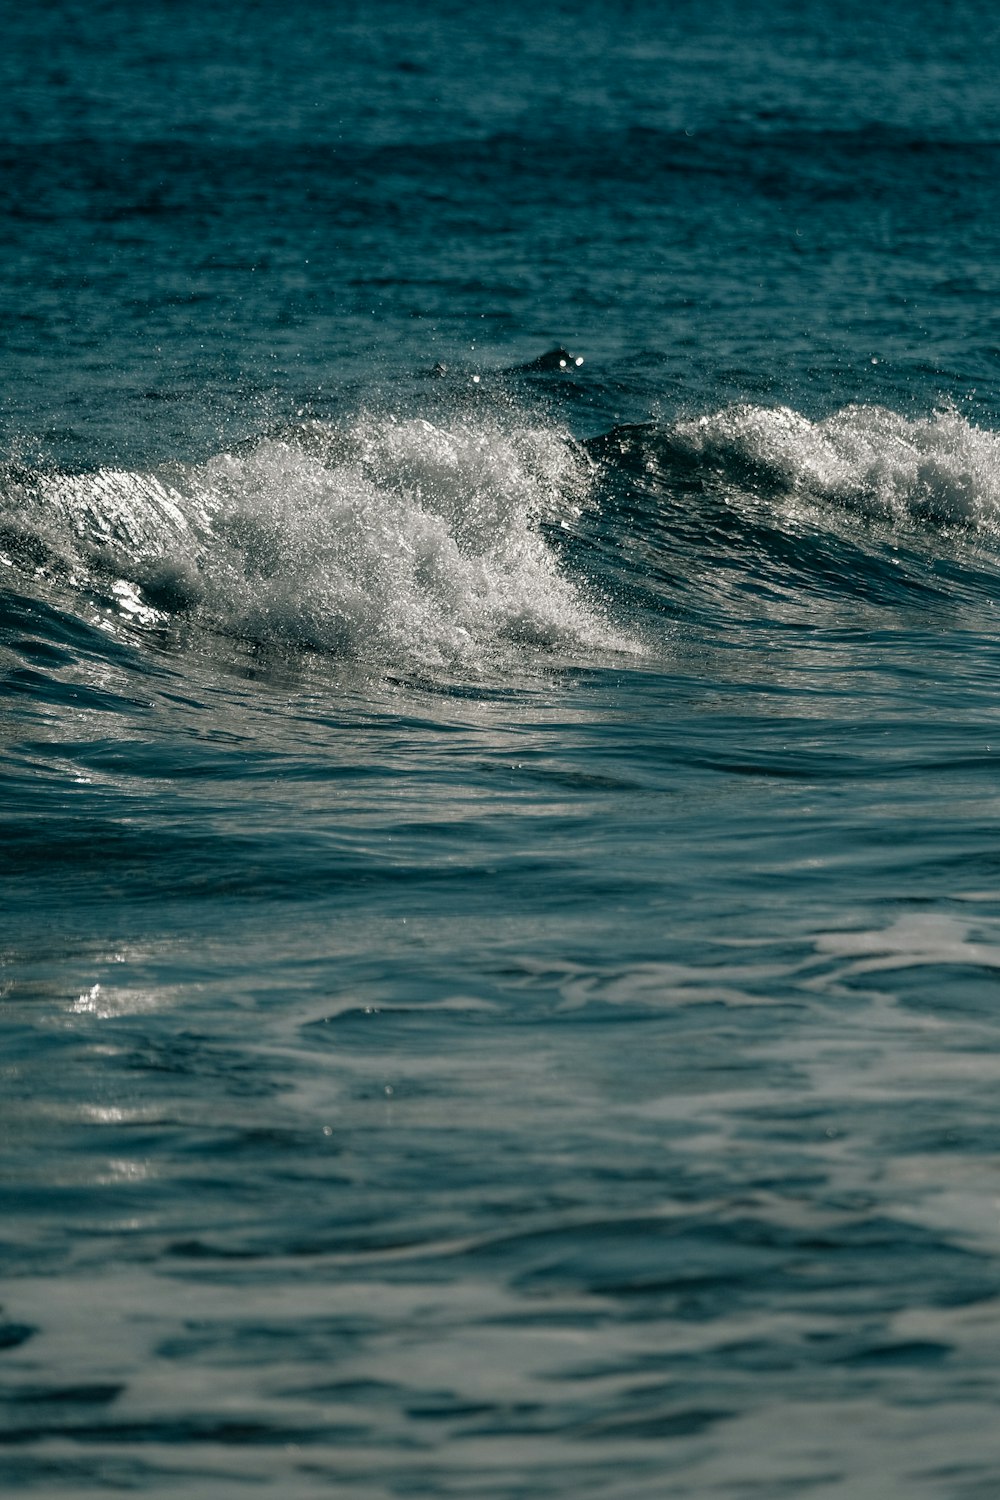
(500, 864)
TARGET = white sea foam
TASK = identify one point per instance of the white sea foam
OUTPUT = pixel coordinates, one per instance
(912, 941)
(387, 539)
(938, 468)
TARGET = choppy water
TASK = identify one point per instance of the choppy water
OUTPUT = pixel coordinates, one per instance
(500, 918)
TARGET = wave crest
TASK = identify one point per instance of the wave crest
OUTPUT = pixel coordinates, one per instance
(389, 539)
(938, 468)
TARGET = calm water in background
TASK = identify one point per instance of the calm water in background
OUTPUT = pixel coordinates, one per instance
(500, 922)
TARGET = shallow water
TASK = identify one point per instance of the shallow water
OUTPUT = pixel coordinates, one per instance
(501, 904)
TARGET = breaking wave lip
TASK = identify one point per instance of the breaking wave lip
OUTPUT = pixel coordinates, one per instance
(404, 544)
(384, 539)
(938, 469)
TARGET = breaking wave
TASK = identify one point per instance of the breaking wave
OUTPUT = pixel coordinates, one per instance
(403, 543)
(384, 539)
(939, 468)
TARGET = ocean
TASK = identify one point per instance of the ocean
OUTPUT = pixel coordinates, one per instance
(500, 750)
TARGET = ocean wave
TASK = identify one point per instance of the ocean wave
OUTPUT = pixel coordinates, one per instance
(756, 511)
(939, 469)
(393, 540)
(467, 542)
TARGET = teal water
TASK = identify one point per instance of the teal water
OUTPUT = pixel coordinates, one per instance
(500, 910)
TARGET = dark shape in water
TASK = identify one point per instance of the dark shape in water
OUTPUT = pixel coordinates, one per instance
(12, 1335)
(555, 359)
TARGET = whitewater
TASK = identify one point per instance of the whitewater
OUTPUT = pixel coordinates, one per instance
(393, 540)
